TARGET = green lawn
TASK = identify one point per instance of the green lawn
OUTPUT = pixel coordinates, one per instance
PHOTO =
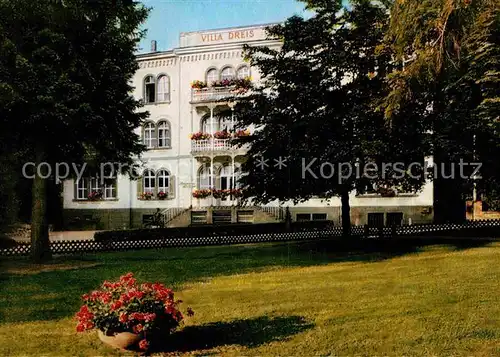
(275, 299)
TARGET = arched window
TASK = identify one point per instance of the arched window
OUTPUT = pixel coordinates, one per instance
(210, 126)
(243, 72)
(212, 76)
(149, 89)
(227, 73)
(163, 134)
(163, 88)
(237, 176)
(226, 177)
(150, 135)
(225, 124)
(205, 177)
(163, 181)
(149, 181)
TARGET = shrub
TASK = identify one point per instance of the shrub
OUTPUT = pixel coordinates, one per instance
(126, 306)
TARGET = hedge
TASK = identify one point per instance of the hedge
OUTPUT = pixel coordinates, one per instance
(235, 229)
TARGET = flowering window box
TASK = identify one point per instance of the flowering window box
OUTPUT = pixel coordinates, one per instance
(147, 195)
(200, 136)
(203, 193)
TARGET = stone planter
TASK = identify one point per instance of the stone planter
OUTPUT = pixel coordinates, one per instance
(121, 340)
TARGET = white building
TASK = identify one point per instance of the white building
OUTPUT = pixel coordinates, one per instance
(175, 165)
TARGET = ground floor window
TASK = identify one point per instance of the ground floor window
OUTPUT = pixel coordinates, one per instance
(311, 217)
(94, 188)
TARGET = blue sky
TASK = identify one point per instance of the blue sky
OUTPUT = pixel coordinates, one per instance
(171, 17)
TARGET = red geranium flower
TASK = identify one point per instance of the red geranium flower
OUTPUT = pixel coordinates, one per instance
(130, 307)
(143, 344)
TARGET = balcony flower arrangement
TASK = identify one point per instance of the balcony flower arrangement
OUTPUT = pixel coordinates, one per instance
(221, 193)
(236, 192)
(198, 84)
(203, 193)
(200, 136)
(223, 134)
(95, 195)
(147, 195)
(243, 83)
(241, 133)
(223, 83)
(126, 313)
(386, 192)
(162, 195)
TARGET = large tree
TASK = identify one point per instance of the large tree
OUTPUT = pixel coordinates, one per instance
(451, 51)
(315, 108)
(65, 93)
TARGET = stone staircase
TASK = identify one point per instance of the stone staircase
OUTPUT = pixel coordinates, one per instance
(182, 217)
(173, 217)
(278, 213)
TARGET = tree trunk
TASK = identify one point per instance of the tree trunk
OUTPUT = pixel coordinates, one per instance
(346, 214)
(40, 248)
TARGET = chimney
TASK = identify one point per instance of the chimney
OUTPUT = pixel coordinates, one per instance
(153, 46)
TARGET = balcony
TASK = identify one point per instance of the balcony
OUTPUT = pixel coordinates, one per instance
(212, 94)
(203, 92)
(211, 145)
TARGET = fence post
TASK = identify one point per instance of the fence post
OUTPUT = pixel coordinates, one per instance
(393, 231)
(367, 231)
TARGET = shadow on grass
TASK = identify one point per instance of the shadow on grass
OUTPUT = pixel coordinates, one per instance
(55, 294)
(248, 333)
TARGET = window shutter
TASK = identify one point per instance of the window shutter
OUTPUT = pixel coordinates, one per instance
(171, 187)
(139, 187)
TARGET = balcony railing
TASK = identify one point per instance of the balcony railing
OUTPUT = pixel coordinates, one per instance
(211, 145)
(212, 94)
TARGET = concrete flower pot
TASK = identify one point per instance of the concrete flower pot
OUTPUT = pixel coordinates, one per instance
(121, 340)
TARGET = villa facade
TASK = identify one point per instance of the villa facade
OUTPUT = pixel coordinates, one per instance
(190, 152)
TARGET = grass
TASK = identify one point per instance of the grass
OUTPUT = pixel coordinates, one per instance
(276, 299)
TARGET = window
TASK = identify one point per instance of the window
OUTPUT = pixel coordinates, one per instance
(149, 89)
(212, 76)
(82, 189)
(163, 88)
(225, 124)
(149, 182)
(243, 72)
(303, 217)
(319, 216)
(149, 135)
(110, 188)
(205, 178)
(85, 186)
(210, 125)
(394, 219)
(94, 185)
(375, 219)
(227, 73)
(163, 181)
(163, 134)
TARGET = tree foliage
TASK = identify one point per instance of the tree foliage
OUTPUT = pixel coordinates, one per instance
(65, 94)
(315, 108)
(451, 53)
